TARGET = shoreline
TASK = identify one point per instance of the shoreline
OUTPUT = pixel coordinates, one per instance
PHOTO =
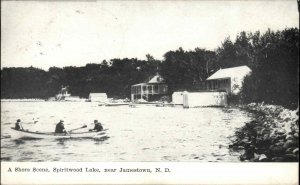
(24, 100)
(271, 137)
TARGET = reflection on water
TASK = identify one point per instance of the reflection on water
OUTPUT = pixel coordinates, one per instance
(144, 133)
(61, 142)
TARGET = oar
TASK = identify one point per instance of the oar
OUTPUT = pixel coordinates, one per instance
(84, 126)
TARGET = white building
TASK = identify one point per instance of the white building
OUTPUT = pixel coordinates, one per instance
(199, 99)
(229, 79)
(177, 98)
(150, 90)
(214, 91)
(98, 97)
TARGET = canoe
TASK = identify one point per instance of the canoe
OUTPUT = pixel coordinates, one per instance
(45, 135)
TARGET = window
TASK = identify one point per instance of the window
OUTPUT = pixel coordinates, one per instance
(156, 89)
(138, 90)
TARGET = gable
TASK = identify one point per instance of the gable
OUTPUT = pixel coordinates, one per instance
(233, 73)
(156, 79)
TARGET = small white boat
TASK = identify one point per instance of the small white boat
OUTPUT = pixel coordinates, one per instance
(45, 135)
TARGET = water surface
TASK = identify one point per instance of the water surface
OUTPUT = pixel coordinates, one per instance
(144, 133)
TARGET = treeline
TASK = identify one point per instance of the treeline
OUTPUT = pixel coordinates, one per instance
(114, 78)
(272, 56)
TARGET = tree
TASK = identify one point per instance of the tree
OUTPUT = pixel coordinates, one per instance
(183, 69)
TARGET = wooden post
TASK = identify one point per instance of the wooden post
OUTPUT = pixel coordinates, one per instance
(141, 92)
(185, 100)
(147, 89)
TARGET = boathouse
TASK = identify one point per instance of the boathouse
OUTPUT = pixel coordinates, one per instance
(214, 91)
(98, 97)
(199, 99)
(229, 80)
(150, 90)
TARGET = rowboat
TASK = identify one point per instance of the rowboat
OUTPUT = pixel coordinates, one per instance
(52, 135)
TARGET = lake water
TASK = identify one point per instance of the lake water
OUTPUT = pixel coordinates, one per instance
(144, 133)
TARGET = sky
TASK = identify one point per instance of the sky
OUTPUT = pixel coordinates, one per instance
(74, 33)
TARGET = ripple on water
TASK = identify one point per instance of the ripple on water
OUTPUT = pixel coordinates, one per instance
(19, 141)
(103, 138)
(5, 136)
(200, 131)
(168, 158)
(29, 113)
(5, 158)
(24, 159)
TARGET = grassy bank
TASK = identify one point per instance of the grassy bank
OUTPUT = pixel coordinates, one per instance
(271, 137)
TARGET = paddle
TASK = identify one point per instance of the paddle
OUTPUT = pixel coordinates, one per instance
(84, 126)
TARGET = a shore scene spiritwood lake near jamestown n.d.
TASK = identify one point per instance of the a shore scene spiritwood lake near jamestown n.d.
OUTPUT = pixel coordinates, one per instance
(150, 81)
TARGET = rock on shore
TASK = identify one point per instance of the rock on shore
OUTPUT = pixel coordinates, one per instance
(273, 136)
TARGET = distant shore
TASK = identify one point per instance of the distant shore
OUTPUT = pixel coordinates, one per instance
(23, 100)
(271, 137)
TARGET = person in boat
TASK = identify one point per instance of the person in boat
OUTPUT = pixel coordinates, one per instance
(98, 126)
(18, 125)
(60, 127)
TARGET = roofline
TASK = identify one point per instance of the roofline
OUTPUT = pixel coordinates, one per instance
(148, 84)
(218, 78)
(243, 66)
(234, 67)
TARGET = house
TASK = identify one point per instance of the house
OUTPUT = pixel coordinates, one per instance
(229, 79)
(151, 90)
(214, 91)
(98, 97)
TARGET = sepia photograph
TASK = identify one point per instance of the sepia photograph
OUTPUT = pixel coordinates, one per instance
(149, 81)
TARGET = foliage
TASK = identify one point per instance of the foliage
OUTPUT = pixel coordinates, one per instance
(28, 83)
(272, 56)
(183, 69)
(275, 69)
(115, 79)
